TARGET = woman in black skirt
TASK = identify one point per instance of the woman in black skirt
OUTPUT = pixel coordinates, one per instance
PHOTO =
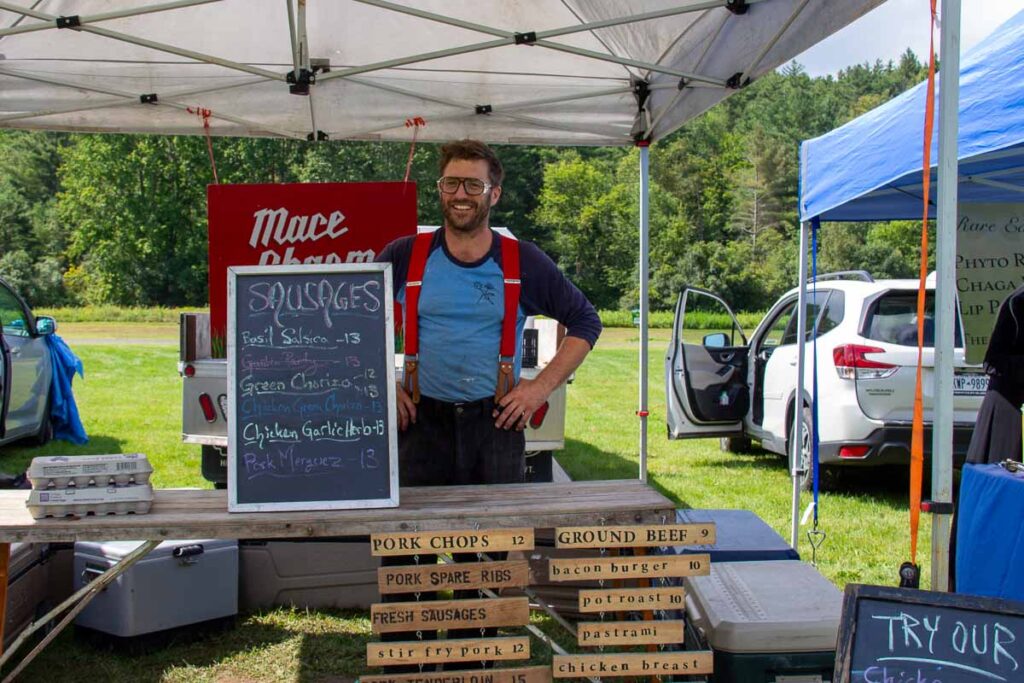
(997, 432)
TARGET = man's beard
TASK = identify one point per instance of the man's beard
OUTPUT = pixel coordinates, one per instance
(466, 223)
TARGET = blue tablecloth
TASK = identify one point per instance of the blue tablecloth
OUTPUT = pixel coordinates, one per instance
(990, 534)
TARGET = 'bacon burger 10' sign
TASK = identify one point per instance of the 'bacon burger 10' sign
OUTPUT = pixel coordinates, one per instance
(293, 224)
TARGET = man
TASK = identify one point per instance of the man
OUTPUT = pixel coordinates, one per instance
(462, 428)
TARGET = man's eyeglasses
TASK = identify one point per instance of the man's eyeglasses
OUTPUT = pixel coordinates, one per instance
(450, 185)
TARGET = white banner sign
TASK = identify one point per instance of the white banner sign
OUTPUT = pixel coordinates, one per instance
(989, 266)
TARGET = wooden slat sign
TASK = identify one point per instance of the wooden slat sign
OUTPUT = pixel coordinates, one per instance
(649, 567)
(479, 541)
(632, 599)
(632, 664)
(526, 674)
(459, 576)
(647, 536)
(456, 650)
(390, 617)
(652, 632)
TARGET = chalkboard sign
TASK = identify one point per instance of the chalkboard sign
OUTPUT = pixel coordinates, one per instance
(311, 378)
(898, 635)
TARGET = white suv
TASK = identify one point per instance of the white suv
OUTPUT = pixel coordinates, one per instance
(866, 344)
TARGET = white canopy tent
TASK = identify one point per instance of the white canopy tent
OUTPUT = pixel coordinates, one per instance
(539, 72)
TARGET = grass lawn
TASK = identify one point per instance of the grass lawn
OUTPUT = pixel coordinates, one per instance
(130, 401)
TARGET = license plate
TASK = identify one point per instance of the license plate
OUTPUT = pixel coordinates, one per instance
(970, 384)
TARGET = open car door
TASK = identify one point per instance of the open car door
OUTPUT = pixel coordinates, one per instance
(5, 383)
(705, 370)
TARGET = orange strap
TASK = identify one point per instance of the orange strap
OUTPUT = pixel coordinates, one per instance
(917, 429)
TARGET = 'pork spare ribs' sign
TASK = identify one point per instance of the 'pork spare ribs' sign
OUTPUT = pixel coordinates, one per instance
(301, 223)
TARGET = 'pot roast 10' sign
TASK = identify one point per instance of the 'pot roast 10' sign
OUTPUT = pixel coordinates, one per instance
(310, 384)
(301, 223)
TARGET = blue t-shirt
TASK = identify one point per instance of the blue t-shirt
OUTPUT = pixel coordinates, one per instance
(461, 308)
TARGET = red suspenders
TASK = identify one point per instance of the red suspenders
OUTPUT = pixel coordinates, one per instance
(413, 286)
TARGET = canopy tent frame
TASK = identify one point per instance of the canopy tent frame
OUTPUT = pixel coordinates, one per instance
(945, 311)
(642, 77)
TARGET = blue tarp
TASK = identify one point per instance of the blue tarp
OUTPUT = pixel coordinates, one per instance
(63, 410)
(870, 169)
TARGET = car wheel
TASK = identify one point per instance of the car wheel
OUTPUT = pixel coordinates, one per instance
(45, 433)
(807, 475)
(734, 444)
(828, 477)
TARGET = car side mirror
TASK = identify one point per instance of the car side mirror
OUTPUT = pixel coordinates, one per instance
(45, 325)
(718, 340)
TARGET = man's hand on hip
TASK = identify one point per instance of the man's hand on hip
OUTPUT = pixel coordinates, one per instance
(515, 408)
(406, 408)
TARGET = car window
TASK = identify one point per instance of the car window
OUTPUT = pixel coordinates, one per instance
(12, 317)
(776, 332)
(892, 318)
(815, 301)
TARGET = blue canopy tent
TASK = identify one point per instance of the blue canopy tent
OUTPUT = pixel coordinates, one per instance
(871, 169)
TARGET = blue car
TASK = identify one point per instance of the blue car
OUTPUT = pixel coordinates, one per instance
(26, 371)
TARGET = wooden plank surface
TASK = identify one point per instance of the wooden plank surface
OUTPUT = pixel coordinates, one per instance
(187, 513)
(457, 576)
(632, 599)
(647, 536)
(609, 633)
(646, 567)
(632, 664)
(456, 650)
(395, 617)
(525, 674)
(474, 541)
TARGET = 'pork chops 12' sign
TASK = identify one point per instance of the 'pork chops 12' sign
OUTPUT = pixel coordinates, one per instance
(295, 224)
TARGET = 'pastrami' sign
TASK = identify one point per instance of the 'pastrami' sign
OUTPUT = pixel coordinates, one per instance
(293, 224)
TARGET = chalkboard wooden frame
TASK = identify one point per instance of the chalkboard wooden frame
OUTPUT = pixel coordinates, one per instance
(237, 273)
(855, 592)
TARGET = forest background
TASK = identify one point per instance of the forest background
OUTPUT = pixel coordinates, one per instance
(121, 219)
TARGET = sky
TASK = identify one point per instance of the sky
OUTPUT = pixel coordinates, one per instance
(888, 30)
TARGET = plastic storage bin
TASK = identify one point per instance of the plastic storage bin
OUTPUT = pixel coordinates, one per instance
(339, 574)
(741, 536)
(765, 621)
(177, 583)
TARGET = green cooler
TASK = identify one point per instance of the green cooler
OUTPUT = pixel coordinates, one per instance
(766, 622)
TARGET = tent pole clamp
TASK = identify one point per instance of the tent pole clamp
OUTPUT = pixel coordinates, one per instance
(300, 85)
(320, 136)
(68, 22)
(148, 98)
(737, 81)
(484, 109)
(526, 38)
(737, 7)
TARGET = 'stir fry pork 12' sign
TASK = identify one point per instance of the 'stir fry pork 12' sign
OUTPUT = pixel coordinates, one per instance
(293, 224)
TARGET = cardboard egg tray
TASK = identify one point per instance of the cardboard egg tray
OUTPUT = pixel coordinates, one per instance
(81, 471)
(90, 500)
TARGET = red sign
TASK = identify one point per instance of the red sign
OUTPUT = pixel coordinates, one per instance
(292, 224)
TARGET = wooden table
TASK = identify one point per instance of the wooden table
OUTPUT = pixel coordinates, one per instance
(186, 513)
(191, 514)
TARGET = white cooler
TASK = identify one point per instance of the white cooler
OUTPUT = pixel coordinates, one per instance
(177, 583)
(766, 621)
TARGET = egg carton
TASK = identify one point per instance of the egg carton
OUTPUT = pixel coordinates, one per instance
(91, 500)
(65, 471)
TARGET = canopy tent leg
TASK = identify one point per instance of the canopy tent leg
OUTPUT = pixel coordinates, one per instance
(945, 300)
(644, 248)
(798, 411)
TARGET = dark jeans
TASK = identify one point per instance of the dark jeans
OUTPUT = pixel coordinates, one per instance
(454, 444)
(457, 444)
